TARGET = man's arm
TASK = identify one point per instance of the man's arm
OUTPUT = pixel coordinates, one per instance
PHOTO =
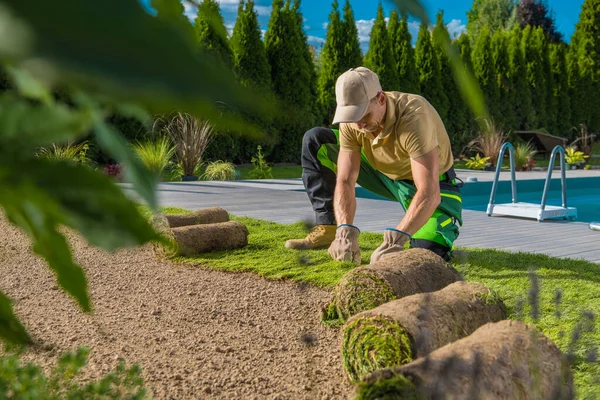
(425, 171)
(348, 166)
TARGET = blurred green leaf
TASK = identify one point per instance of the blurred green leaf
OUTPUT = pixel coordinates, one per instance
(466, 82)
(117, 48)
(135, 171)
(38, 215)
(29, 125)
(90, 202)
(30, 87)
(412, 7)
(11, 329)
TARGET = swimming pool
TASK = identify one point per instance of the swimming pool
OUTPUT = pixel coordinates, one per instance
(582, 193)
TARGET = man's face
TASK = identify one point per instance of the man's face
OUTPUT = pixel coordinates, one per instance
(372, 120)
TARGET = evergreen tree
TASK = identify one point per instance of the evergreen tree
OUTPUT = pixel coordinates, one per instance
(249, 56)
(403, 53)
(211, 32)
(293, 78)
(560, 92)
(351, 55)
(331, 59)
(506, 94)
(379, 57)
(485, 71)
(516, 68)
(448, 85)
(586, 44)
(534, 71)
(496, 14)
(577, 90)
(536, 13)
(542, 41)
(464, 47)
(428, 68)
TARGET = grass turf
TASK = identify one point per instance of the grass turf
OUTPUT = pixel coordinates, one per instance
(560, 296)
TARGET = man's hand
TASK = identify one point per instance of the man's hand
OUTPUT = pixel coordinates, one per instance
(345, 246)
(393, 242)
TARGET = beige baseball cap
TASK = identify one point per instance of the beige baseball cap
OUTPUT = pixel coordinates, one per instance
(354, 90)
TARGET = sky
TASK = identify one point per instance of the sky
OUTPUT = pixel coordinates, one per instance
(316, 13)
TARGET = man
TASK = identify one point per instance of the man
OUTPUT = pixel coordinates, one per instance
(393, 144)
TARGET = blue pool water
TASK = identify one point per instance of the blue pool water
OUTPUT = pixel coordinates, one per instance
(582, 193)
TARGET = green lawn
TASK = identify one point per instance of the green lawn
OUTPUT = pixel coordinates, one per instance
(578, 283)
(279, 172)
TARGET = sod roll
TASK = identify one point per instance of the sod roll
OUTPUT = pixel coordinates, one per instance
(506, 360)
(197, 239)
(203, 216)
(403, 330)
(408, 272)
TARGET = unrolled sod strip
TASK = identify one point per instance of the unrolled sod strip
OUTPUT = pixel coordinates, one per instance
(403, 330)
(506, 360)
(203, 216)
(408, 272)
(197, 239)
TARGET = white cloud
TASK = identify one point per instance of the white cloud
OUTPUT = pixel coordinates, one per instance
(364, 29)
(315, 39)
(413, 28)
(456, 28)
(307, 27)
(190, 11)
(325, 25)
(263, 10)
(229, 28)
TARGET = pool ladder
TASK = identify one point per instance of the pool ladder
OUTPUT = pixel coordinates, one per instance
(531, 210)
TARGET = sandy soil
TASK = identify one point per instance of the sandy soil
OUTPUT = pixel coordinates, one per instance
(195, 332)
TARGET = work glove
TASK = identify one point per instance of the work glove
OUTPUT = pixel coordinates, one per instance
(345, 245)
(393, 242)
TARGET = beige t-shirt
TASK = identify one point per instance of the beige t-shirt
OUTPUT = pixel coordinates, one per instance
(412, 128)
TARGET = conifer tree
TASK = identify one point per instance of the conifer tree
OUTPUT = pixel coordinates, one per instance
(465, 50)
(211, 32)
(403, 53)
(293, 78)
(379, 57)
(518, 78)
(560, 91)
(447, 84)
(534, 73)
(250, 58)
(586, 45)
(352, 56)
(506, 94)
(428, 68)
(485, 71)
(543, 41)
(331, 63)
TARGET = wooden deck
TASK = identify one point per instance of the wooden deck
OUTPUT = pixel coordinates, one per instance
(285, 201)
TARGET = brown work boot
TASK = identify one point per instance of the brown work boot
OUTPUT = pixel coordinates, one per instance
(320, 237)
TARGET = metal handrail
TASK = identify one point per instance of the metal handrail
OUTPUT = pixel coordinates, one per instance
(511, 152)
(563, 177)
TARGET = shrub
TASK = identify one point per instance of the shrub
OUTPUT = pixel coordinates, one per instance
(219, 171)
(29, 381)
(155, 154)
(489, 142)
(75, 153)
(477, 162)
(191, 137)
(574, 157)
(523, 156)
(115, 170)
(261, 169)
